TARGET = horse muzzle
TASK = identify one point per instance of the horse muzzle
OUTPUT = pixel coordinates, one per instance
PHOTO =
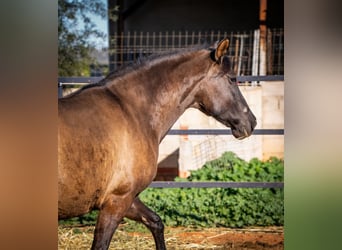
(243, 131)
(238, 134)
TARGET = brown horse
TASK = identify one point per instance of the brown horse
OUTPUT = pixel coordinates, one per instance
(109, 133)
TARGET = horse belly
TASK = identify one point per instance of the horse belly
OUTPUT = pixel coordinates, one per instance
(77, 195)
(135, 168)
(84, 171)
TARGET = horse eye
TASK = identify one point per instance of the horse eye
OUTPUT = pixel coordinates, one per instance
(231, 80)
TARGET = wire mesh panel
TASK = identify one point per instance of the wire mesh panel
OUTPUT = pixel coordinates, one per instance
(275, 52)
(127, 47)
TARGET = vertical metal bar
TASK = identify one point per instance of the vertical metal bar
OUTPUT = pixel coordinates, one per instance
(280, 52)
(250, 56)
(153, 42)
(147, 43)
(113, 52)
(141, 44)
(255, 68)
(166, 40)
(60, 90)
(212, 36)
(231, 48)
(128, 47)
(173, 40)
(179, 39)
(226, 36)
(121, 46)
(269, 52)
(263, 34)
(240, 54)
(274, 49)
(236, 56)
(134, 45)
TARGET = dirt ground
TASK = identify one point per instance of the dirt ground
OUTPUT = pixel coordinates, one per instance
(270, 238)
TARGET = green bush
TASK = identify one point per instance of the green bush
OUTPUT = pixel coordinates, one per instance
(211, 207)
(87, 219)
(229, 207)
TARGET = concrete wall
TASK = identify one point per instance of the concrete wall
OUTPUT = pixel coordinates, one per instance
(273, 117)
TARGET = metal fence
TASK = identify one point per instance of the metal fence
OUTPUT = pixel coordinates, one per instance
(79, 81)
(127, 47)
(215, 184)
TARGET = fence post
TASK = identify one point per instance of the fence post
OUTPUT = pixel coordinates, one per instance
(263, 35)
(185, 154)
(60, 90)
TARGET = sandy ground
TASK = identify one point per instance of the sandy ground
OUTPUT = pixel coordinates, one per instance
(179, 238)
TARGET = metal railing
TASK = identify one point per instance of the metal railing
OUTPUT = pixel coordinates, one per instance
(127, 47)
(80, 81)
(215, 184)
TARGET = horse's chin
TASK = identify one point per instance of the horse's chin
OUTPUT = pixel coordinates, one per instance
(240, 133)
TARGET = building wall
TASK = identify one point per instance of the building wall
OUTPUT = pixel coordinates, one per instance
(273, 117)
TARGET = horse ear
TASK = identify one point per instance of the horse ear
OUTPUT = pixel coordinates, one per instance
(221, 49)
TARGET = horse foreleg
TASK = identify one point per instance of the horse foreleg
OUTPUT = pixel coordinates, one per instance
(141, 213)
(110, 216)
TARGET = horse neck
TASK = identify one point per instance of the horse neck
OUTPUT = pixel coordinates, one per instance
(159, 92)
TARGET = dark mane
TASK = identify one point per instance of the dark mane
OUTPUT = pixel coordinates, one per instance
(88, 86)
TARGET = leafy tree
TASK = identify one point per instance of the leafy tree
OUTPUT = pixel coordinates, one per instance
(75, 27)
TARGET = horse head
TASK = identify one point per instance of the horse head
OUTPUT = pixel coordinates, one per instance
(220, 96)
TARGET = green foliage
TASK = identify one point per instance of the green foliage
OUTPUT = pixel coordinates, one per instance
(211, 207)
(75, 28)
(229, 207)
(87, 219)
